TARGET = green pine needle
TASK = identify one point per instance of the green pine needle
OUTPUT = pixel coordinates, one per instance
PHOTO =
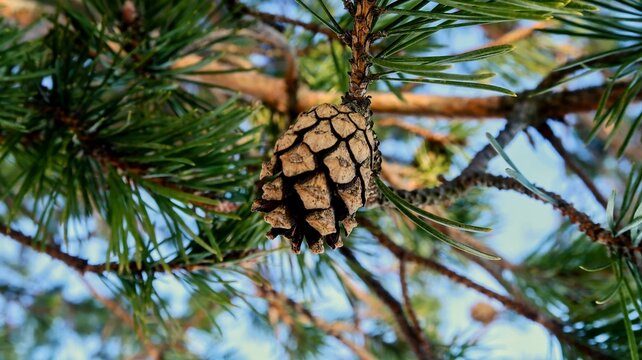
(410, 210)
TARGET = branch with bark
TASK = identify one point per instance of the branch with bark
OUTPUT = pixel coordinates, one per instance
(396, 309)
(279, 300)
(547, 133)
(106, 157)
(553, 325)
(364, 13)
(272, 92)
(426, 134)
(410, 311)
(83, 266)
(461, 184)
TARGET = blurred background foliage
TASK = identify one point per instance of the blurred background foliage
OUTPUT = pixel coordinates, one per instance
(131, 137)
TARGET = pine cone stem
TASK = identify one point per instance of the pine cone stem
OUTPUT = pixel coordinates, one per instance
(365, 15)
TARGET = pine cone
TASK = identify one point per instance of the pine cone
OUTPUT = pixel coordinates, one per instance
(321, 173)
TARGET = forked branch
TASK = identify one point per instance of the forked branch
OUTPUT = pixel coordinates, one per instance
(553, 325)
(393, 305)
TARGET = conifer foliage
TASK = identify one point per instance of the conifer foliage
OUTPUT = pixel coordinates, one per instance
(148, 147)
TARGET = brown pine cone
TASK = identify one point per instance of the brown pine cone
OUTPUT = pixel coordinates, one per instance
(321, 173)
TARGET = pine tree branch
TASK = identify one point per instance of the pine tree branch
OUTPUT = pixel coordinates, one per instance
(103, 154)
(456, 187)
(420, 131)
(393, 305)
(364, 13)
(545, 130)
(410, 311)
(272, 92)
(524, 114)
(79, 264)
(553, 325)
(83, 266)
(266, 291)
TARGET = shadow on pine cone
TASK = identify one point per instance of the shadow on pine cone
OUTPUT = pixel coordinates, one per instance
(321, 173)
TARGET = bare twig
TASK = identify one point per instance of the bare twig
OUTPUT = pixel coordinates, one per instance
(420, 131)
(412, 315)
(548, 134)
(463, 183)
(82, 265)
(270, 294)
(523, 309)
(393, 305)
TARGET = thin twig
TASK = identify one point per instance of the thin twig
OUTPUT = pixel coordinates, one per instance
(270, 294)
(545, 130)
(523, 309)
(463, 183)
(412, 315)
(420, 131)
(82, 265)
(393, 305)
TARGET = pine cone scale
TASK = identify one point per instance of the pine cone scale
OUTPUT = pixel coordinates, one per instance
(319, 176)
